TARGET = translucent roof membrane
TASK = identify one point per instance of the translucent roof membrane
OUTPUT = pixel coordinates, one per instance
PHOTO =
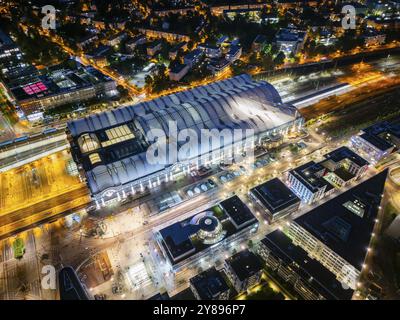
(235, 103)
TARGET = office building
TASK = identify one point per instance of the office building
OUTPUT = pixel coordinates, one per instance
(377, 141)
(338, 233)
(293, 267)
(186, 242)
(210, 285)
(244, 270)
(307, 182)
(275, 198)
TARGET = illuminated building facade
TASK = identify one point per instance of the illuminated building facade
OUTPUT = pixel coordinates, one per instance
(110, 148)
(377, 141)
(187, 242)
(338, 233)
(275, 198)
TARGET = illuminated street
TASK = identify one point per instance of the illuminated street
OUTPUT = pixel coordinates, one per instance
(39, 191)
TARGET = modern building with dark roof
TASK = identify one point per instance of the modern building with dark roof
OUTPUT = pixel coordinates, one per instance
(312, 181)
(377, 141)
(60, 85)
(244, 269)
(338, 233)
(295, 268)
(345, 157)
(111, 148)
(210, 285)
(240, 214)
(307, 181)
(187, 241)
(276, 199)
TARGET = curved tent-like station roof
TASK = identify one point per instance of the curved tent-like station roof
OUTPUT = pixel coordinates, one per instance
(122, 136)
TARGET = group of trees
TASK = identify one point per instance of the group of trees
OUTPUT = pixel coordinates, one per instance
(38, 49)
(158, 81)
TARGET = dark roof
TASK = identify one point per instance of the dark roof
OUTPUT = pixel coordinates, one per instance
(343, 231)
(384, 130)
(100, 51)
(177, 238)
(376, 141)
(177, 68)
(209, 284)
(208, 46)
(306, 175)
(70, 286)
(320, 278)
(5, 39)
(154, 44)
(345, 153)
(260, 39)
(275, 195)
(238, 211)
(194, 54)
(160, 296)
(244, 264)
(233, 50)
(178, 46)
(186, 294)
(136, 39)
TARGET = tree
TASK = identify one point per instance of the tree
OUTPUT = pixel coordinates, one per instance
(148, 80)
(279, 59)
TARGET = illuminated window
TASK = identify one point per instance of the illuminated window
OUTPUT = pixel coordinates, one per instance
(88, 142)
(34, 88)
(94, 158)
(118, 134)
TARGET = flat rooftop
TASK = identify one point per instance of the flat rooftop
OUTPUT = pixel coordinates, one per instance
(376, 141)
(185, 238)
(237, 210)
(59, 79)
(209, 284)
(342, 230)
(343, 153)
(275, 195)
(245, 264)
(177, 68)
(306, 174)
(320, 278)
